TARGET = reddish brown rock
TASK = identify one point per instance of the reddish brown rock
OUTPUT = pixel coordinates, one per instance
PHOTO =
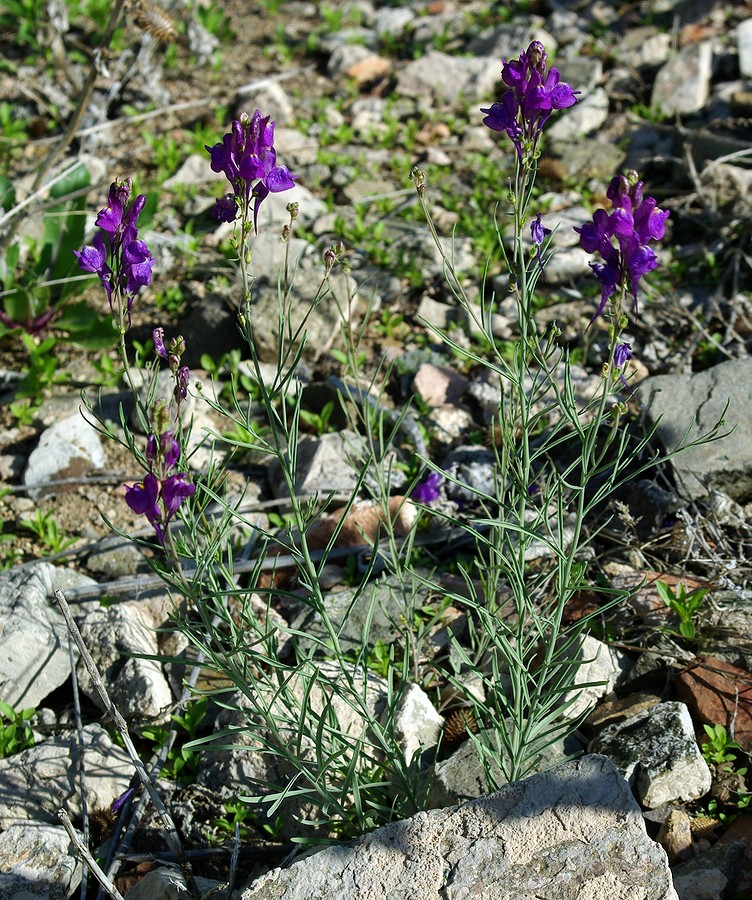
(718, 693)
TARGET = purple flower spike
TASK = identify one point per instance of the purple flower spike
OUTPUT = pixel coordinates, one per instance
(534, 92)
(182, 377)
(122, 262)
(247, 157)
(622, 237)
(429, 489)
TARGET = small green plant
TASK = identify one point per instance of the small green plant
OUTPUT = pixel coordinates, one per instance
(239, 813)
(318, 423)
(684, 604)
(15, 729)
(181, 761)
(45, 528)
(718, 746)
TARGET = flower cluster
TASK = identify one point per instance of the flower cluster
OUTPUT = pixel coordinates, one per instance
(534, 92)
(248, 159)
(159, 496)
(622, 237)
(173, 353)
(122, 262)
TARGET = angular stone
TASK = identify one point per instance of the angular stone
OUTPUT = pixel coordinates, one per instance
(574, 832)
(744, 43)
(37, 861)
(656, 751)
(34, 658)
(699, 400)
(604, 667)
(325, 465)
(446, 77)
(37, 782)
(66, 449)
(709, 875)
(581, 119)
(439, 385)
(417, 725)
(682, 84)
(116, 637)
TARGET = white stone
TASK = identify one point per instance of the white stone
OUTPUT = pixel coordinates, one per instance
(116, 637)
(69, 447)
(603, 666)
(744, 43)
(682, 84)
(417, 725)
(36, 783)
(583, 118)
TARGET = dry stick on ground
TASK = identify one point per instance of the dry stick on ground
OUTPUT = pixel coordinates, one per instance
(81, 760)
(171, 833)
(88, 858)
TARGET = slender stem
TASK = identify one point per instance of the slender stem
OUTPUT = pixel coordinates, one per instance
(88, 858)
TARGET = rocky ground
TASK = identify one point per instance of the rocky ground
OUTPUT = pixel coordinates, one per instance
(361, 92)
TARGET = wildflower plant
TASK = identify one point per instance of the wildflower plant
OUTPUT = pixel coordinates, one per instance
(300, 695)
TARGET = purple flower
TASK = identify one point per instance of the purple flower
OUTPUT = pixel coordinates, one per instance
(182, 377)
(157, 337)
(247, 157)
(175, 490)
(94, 259)
(622, 236)
(142, 498)
(119, 802)
(538, 233)
(138, 263)
(534, 92)
(122, 262)
(429, 489)
(622, 355)
(170, 450)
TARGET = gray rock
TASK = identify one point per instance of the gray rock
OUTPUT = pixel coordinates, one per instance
(698, 401)
(581, 119)
(116, 637)
(37, 782)
(115, 557)
(446, 77)
(168, 883)
(393, 21)
(344, 56)
(644, 46)
(744, 44)
(322, 321)
(682, 85)
(583, 160)
(710, 874)
(506, 42)
(462, 776)
(36, 861)
(656, 750)
(34, 657)
(567, 833)
(66, 449)
(349, 614)
(582, 72)
(326, 465)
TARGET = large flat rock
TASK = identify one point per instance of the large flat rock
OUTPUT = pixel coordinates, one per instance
(572, 832)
